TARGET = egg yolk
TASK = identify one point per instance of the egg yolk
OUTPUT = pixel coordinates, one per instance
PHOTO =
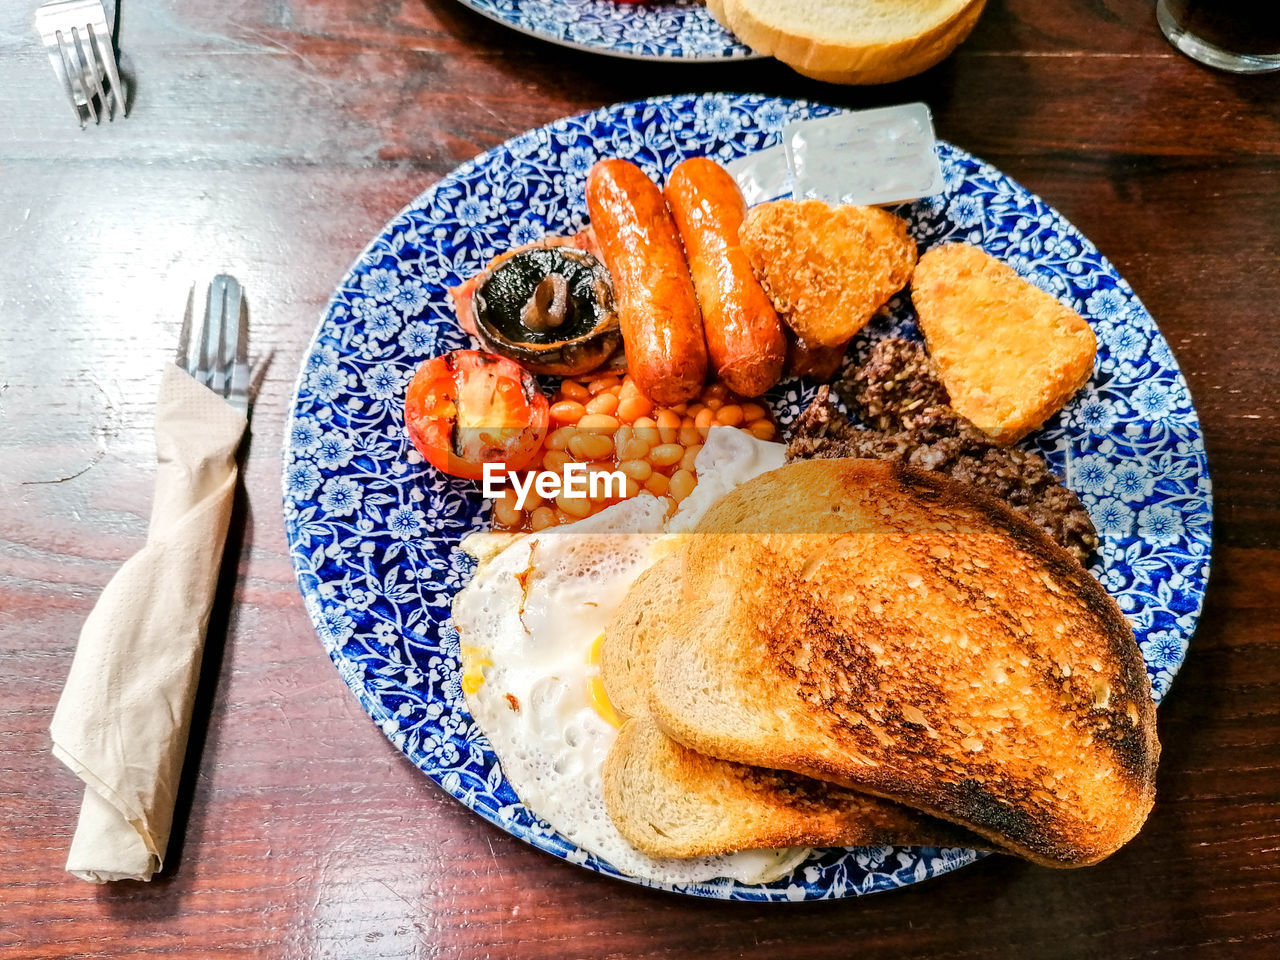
(474, 660)
(595, 686)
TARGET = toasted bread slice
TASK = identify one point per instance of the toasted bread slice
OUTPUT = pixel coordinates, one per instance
(901, 634)
(1009, 353)
(670, 801)
(851, 41)
(638, 628)
(827, 269)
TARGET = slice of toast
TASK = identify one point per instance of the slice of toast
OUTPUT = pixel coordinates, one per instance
(670, 801)
(1009, 353)
(635, 632)
(851, 41)
(901, 634)
(827, 269)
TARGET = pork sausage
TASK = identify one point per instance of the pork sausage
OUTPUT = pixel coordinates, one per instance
(653, 293)
(744, 336)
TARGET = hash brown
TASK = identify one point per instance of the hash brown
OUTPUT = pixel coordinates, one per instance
(1009, 353)
(827, 269)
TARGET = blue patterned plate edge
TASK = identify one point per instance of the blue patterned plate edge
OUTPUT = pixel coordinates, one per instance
(663, 32)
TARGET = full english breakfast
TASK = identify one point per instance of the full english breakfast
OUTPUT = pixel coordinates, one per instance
(879, 632)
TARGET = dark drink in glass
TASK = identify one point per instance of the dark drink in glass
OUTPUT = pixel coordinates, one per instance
(1238, 35)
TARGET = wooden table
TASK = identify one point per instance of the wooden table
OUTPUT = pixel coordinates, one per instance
(271, 141)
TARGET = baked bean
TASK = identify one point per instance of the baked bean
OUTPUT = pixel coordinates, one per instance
(604, 491)
(752, 411)
(705, 418)
(628, 390)
(714, 403)
(602, 403)
(657, 484)
(576, 507)
(690, 457)
(636, 469)
(645, 423)
(573, 390)
(717, 390)
(598, 423)
(567, 411)
(665, 454)
(668, 425)
(681, 485)
(531, 500)
(633, 447)
(730, 415)
(694, 410)
(633, 488)
(554, 460)
(631, 409)
(591, 446)
(690, 435)
(761, 429)
(559, 439)
(542, 518)
(505, 512)
(602, 383)
(680, 408)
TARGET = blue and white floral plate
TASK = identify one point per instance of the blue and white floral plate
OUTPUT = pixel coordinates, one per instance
(669, 30)
(373, 532)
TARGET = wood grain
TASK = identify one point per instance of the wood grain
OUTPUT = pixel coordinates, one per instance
(272, 140)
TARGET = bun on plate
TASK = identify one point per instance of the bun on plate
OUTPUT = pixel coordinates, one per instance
(851, 41)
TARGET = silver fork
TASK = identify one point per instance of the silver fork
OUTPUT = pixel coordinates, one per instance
(219, 358)
(78, 41)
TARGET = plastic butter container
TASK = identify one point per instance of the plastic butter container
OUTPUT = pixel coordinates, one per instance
(865, 157)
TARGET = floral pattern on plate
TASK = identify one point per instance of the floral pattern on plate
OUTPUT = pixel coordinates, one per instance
(672, 30)
(373, 532)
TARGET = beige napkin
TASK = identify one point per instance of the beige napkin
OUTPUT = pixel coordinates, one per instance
(122, 722)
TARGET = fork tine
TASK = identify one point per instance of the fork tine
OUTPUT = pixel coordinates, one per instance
(107, 57)
(89, 55)
(81, 71)
(69, 76)
(59, 62)
(206, 358)
(238, 394)
(184, 335)
(231, 334)
(218, 375)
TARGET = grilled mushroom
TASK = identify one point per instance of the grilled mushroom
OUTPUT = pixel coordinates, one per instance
(549, 308)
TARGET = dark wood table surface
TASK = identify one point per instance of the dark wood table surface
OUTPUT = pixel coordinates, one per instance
(272, 140)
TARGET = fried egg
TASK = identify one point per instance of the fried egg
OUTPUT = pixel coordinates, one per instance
(530, 624)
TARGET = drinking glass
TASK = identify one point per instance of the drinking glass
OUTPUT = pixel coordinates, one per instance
(1242, 36)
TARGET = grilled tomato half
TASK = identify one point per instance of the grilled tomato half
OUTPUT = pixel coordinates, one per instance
(467, 408)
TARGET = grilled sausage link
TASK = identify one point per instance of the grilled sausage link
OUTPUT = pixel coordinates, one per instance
(743, 333)
(657, 307)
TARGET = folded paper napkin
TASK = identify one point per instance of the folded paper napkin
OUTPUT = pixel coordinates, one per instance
(122, 722)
